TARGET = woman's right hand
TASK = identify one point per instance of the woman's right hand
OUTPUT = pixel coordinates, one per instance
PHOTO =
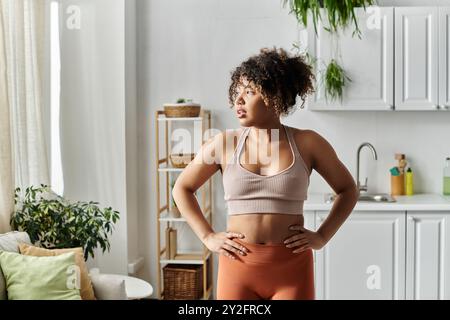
(222, 243)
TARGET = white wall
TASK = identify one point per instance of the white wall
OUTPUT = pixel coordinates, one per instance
(189, 47)
(131, 129)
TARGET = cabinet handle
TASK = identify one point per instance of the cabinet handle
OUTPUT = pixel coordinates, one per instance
(438, 107)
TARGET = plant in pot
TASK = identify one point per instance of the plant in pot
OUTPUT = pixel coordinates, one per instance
(340, 14)
(182, 108)
(53, 222)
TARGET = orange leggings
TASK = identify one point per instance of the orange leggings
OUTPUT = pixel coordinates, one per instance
(268, 271)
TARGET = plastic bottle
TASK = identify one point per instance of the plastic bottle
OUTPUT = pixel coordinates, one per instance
(447, 177)
(409, 184)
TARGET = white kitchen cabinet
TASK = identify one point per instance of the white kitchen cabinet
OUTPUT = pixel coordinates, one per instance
(403, 65)
(365, 259)
(444, 55)
(368, 62)
(428, 255)
(416, 58)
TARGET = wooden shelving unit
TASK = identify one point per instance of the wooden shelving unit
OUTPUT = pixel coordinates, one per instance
(165, 213)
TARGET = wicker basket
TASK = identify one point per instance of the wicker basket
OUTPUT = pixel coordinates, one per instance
(181, 160)
(177, 110)
(183, 282)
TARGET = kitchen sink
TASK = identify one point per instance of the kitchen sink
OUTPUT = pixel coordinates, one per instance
(365, 197)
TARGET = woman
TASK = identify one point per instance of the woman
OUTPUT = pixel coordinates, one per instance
(266, 252)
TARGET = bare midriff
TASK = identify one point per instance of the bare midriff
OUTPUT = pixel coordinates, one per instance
(264, 228)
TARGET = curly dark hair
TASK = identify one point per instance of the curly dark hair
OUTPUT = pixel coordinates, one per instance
(278, 76)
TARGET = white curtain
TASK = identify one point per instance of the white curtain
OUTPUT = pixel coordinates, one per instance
(21, 59)
(6, 168)
(94, 150)
(24, 35)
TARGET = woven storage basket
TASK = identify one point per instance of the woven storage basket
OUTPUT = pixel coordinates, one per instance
(177, 110)
(181, 160)
(183, 282)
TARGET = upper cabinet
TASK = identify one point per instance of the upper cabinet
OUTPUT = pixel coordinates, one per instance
(401, 65)
(368, 62)
(416, 58)
(444, 54)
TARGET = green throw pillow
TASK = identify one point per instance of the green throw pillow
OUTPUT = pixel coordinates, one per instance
(40, 278)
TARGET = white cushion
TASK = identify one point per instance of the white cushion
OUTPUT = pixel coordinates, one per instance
(107, 287)
(10, 242)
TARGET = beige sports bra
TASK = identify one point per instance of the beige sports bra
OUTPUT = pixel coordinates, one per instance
(249, 192)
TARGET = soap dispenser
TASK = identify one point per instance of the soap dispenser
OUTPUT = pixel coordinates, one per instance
(446, 188)
(409, 184)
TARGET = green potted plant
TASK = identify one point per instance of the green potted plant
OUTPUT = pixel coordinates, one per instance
(339, 14)
(53, 222)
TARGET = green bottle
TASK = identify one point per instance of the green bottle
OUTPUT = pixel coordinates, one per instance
(447, 177)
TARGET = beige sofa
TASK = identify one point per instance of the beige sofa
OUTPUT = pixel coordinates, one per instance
(105, 287)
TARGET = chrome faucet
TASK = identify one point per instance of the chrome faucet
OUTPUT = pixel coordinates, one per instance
(364, 186)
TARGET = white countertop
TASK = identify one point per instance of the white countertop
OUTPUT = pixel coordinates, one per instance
(417, 202)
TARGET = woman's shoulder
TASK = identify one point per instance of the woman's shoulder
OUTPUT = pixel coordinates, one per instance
(312, 143)
(304, 135)
(306, 141)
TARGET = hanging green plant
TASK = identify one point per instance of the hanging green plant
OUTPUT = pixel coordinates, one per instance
(335, 80)
(339, 13)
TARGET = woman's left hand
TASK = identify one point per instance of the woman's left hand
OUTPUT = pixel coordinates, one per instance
(306, 239)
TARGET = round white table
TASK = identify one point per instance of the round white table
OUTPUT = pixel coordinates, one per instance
(136, 288)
